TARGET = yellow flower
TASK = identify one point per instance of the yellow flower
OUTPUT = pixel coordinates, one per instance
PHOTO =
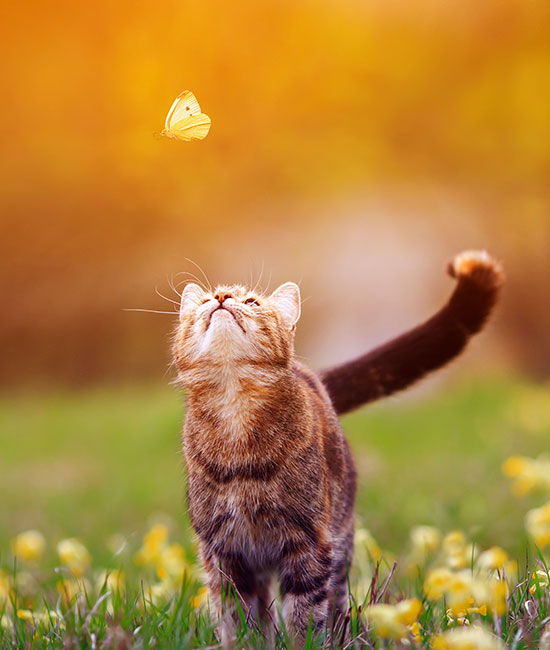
(459, 593)
(465, 593)
(515, 466)
(24, 614)
(393, 621)
(167, 559)
(491, 592)
(71, 589)
(364, 539)
(408, 610)
(425, 538)
(529, 473)
(493, 558)
(541, 580)
(153, 543)
(74, 555)
(456, 552)
(171, 563)
(159, 592)
(437, 583)
(28, 546)
(415, 631)
(467, 638)
(4, 588)
(6, 622)
(537, 523)
(112, 579)
(201, 597)
(44, 618)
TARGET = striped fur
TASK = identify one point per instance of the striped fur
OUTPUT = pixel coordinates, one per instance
(271, 481)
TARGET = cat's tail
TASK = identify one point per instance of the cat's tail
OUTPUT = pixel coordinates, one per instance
(401, 361)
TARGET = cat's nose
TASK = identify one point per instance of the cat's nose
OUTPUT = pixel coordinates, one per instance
(220, 297)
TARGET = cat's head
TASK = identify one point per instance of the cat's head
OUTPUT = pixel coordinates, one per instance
(234, 324)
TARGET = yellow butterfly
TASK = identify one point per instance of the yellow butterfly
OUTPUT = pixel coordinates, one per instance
(185, 120)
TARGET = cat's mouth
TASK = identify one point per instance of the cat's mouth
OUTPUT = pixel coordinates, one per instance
(227, 310)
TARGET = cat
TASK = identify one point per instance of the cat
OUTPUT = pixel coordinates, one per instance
(271, 480)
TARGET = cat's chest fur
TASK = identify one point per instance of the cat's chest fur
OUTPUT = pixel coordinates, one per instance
(253, 463)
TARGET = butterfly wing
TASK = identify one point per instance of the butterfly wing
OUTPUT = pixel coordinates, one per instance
(194, 127)
(184, 105)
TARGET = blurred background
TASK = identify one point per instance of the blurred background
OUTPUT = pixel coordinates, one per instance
(355, 147)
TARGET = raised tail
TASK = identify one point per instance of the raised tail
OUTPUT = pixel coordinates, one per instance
(401, 361)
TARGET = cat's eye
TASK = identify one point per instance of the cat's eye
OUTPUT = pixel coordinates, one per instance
(251, 301)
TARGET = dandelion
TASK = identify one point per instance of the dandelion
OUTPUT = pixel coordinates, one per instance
(37, 618)
(541, 580)
(111, 579)
(537, 523)
(467, 638)
(492, 593)
(416, 632)
(73, 589)
(492, 559)
(28, 546)
(459, 593)
(171, 563)
(74, 555)
(529, 474)
(153, 543)
(168, 560)
(6, 622)
(478, 610)
(364, 539)
(159, 592)
(437, 583)
(456, 553)
(24, 614)
(201, 597)
(394, 621)
(4, 588)
(466, 594)
(426, 538)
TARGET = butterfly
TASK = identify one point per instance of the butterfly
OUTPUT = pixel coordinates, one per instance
(185, 120)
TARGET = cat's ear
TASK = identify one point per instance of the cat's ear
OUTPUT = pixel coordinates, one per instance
(287, 299)
(192, 296)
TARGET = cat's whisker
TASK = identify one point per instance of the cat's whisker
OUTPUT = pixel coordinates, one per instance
(269, 282)
(171, 285)
(153, 311)
(194, 278)
(166, 297)
(202, 271)
(259, 279)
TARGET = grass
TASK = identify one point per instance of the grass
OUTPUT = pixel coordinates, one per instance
(107, 461)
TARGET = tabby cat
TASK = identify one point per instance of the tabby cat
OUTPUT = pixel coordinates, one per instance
(271, 481)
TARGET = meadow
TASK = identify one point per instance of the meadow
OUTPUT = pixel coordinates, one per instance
(98, 475)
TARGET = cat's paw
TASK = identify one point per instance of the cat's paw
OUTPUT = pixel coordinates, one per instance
(479, 267)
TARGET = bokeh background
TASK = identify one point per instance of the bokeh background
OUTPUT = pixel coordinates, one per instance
(355, 147)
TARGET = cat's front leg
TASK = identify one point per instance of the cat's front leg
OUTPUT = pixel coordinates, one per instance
(233, 585)
(305, 574)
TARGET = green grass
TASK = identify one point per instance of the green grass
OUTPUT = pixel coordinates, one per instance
(91, 464)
